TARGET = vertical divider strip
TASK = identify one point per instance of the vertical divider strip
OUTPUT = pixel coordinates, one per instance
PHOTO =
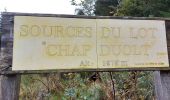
(96, 44)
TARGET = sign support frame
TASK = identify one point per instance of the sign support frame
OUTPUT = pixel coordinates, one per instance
(10, 80)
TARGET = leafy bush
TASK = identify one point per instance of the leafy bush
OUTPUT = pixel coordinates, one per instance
(78, 86)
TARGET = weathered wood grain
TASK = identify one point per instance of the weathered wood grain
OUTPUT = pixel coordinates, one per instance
(9, 87)
(9, 84)
(162, 85)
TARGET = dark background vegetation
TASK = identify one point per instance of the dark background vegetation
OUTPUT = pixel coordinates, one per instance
(134, 85)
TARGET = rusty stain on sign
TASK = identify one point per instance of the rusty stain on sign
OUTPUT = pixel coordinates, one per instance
(42, 43)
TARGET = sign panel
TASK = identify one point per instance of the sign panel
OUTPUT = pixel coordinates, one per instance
(42, 43)
(131, 43)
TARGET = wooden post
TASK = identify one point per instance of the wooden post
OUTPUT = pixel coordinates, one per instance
(9, 84)
(9, 87)
(162, 78)
(162, 85)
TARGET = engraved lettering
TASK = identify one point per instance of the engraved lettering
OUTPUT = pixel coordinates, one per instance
(24, 31)
(35, 30)
(88, 31)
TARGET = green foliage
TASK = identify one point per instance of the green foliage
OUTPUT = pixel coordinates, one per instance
(106, 7)
(85, 7)
(143, 8)
(81, 88)
(145, 85)
(138, 8)
(96, 7)
(29, 87)
(165, 14)
(74, 86)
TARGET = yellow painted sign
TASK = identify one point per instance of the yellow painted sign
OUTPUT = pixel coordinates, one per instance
(42, 43)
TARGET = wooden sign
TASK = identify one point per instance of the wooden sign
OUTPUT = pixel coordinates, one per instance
(42, 43)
